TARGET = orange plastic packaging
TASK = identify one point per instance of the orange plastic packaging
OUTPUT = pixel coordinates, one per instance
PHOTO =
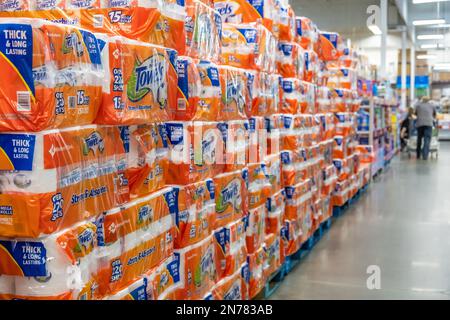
(232, 288)
(231, 197)
(259, 186)
(286, 22)
(197, 266)
(330, 46)
(290, 60)
(61, 266)
(195, 217)
(145, 163)
(247, 11)
(196, 151)
(56, 71)
(198, 96)
(248, 46)
(308, 98)
(54, 179)
(257, 132)
(203, 28)
(256, 228)
(235, 93)
(274, 254)
(136, 291)
(292, 95)
(275, 213)
(231, 250)
(295, 167)
(272, 168)
(135, 239)
(256, 266)
(307, 33)
(163, 280)
(312, 66)
(140, 82)
(291, 234)
(235, 139)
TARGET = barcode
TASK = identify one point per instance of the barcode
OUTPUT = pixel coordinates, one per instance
(72, 102)
(181, 104)
(98, 21)
(23, 101)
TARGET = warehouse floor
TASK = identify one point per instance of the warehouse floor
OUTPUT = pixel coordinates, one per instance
(402, 225)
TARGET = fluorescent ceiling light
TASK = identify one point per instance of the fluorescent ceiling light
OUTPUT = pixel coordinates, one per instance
(426, 57)
(430, 37)
(427, 1)
(428, 22)
(440, 26)
(429, 46)
(375, 29)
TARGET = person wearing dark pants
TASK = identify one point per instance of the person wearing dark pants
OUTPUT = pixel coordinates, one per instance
(424, 134)
(426, 113)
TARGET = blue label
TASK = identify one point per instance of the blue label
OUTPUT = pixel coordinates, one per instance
(223, 238)
(162, 129)
(174, 268)
(183, 79)
(16, 44)
(19, 150)
(223, 128)
(287, 121)
(140, 293)
(175, 133)
(92, 46)
(211, 188)
(258, 5)
(298, 25)
(30, 257)
(286, 49)
(125, 136)
(99, 223)
(172, 200)
(290, 191)
(248, 34)
(332, 37)
(287, 86)
(245, 176)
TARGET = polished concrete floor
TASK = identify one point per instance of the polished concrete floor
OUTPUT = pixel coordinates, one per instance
(401, 225)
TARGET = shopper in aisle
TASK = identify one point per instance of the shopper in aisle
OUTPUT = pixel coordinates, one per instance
(406, 127)
(426, 113)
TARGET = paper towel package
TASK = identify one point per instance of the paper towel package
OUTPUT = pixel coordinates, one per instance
(258, 136)
(307, 33)
(290, 60)
(292, 95)
(145, 244)
(140, 82)
(312, 66)
(231, 250)
(197, 267)
(195, 216)
(274, 254)
(233, 287)
(247, 11)
(163, 280)
(308, 98)
(56, 71)
(295, 167)
(285, 20)
(256, 220)
(203, 27)
(259, 187)
(146, 158)
(235, 137)
(330, 46)
(272, 168)
(196, 152)
(256, 267)
(199, 90)
(54, 179)
(248, 46)
(56, 267)
(231, 197)
(298, 200)
(275, 213)
(235, 94)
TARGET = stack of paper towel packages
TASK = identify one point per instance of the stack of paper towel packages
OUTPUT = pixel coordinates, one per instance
(166, 150)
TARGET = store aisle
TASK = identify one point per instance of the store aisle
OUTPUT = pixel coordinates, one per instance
(401, 225)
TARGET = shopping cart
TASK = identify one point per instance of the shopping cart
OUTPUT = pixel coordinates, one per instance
(434, 145)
